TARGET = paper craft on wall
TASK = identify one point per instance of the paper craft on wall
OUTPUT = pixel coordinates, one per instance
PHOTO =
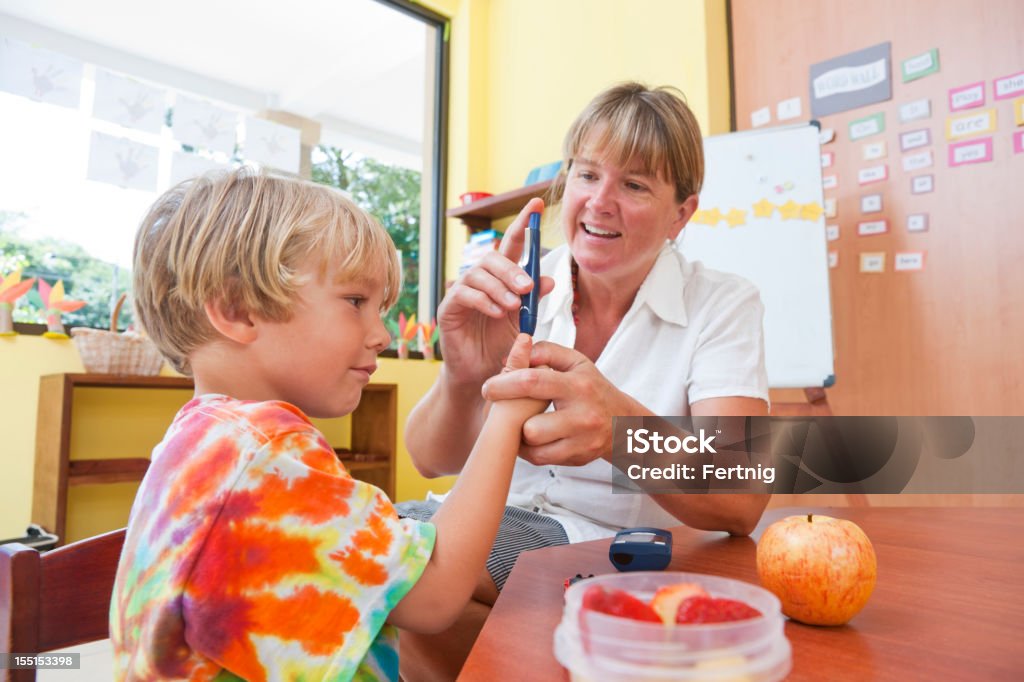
(970, 151)
(917, 222)
(122, 162)
(872, 262)
(872, 174)
(914, 139)
(922, 184)
(788, 109)
(1008, 86)
(1018, 142)
(830, 207)
(875, 150)
(185, 165)
(967, 96)
(907, 261)
(272, 144)
(968, 125)
(851, 81)
(832, 232)
(201, 124)
(918, 161)
(760, 117)
(1018, 111)
(826, 136)
(129, 103)
(38, 74)
(873, 227)
(920, 65)
(833, 259)
(871, 203)
(913, 111)
(867, 126)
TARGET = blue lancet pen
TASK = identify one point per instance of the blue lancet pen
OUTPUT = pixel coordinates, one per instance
(530, 300)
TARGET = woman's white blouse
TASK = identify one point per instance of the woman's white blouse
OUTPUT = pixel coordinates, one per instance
(691, 334)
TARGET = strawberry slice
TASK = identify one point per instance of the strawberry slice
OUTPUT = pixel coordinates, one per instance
(618, 603)
(713, 610)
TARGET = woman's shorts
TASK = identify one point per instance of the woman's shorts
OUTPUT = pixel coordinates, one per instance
(520, 531)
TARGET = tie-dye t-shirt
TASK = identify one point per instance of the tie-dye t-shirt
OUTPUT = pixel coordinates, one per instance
(251, 553)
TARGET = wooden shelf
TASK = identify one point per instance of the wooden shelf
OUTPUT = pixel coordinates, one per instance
(478, 215)
(374, 432)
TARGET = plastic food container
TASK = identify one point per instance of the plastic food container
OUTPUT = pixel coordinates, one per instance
(596, 647)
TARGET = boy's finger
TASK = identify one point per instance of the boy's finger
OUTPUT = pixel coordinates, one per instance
(519, 356)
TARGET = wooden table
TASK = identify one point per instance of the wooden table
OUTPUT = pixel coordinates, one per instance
(948, 605)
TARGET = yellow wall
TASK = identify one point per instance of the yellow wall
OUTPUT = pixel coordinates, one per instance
(129, 423)
(522, 70)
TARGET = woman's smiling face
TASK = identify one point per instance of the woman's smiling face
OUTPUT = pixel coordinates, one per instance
(616, 218)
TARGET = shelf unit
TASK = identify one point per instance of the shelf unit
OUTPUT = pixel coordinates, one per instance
(478, 215)
(374, 428)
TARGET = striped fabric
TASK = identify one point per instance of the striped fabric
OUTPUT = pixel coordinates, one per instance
(520, 531)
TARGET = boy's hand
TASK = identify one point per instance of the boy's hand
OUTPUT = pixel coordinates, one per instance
(520, 409)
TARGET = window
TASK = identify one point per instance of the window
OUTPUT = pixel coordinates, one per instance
(94, 98)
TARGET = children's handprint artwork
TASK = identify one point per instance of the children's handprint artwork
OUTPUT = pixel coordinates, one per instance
(272, 144)
(201, 124)
(128, 102)
(39, 74)
(123, 162)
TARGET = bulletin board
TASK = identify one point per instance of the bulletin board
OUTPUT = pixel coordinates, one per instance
(941, 333)
(760, 217)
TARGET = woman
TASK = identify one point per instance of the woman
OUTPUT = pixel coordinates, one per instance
(628, 327)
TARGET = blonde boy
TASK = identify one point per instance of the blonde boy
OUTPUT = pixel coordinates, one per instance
(251, 553)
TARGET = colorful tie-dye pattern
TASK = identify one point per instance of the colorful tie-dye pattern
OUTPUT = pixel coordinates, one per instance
(251, 553)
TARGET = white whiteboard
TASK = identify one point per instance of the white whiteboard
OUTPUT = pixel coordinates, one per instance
(787, 258)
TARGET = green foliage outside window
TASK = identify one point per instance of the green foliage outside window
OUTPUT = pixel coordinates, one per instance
(88, 279)
(390, 194)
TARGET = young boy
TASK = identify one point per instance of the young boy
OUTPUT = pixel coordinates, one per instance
(251, 552)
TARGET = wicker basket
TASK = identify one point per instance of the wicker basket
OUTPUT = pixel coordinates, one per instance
(108, 352)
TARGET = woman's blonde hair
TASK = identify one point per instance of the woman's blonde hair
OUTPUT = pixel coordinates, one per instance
(634, 124)
(242, 236)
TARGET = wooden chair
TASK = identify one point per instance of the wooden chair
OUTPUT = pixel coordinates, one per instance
(56, 599)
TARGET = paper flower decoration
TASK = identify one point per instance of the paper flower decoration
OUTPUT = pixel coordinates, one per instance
(56, 305)
(429, 334)
(407, 330)
(12, 287)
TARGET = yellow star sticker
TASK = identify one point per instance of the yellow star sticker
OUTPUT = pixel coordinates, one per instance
(764, 209)
(700, 217)
(811, 211)
(736, 217)
(714, 216)
(789, 210)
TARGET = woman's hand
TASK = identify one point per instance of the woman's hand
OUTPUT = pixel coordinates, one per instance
(579, 430)
(479, 316)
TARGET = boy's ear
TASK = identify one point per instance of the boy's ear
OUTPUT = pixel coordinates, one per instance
(231, 321)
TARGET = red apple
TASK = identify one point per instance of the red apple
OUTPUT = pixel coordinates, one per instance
(822, 569)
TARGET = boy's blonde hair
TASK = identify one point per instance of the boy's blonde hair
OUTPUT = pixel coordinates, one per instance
(636, 124)
(242, 236)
